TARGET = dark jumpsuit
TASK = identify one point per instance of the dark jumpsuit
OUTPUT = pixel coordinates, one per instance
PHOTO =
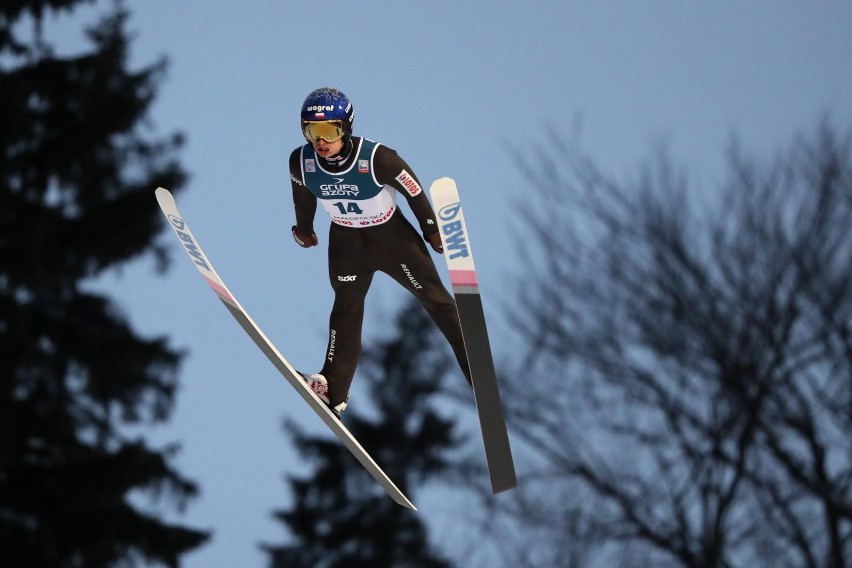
(369, 233)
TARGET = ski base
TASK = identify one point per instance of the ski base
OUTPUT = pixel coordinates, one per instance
(457, 251)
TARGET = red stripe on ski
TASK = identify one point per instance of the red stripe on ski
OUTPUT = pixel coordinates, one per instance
(463, 278)
(221, 292)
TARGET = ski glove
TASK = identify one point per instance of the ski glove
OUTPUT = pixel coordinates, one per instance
(303, 240)
(434, 239)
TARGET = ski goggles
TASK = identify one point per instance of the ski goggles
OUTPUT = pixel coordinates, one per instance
(328, 130)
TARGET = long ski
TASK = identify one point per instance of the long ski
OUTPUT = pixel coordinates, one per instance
(202, 263)
(457, 251)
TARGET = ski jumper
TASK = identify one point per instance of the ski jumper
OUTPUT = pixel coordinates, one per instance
(368, 232)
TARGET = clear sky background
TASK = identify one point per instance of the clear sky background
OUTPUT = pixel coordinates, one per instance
(457, 87)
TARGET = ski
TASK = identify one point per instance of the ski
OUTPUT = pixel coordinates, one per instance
(457, 251)
(204, 266)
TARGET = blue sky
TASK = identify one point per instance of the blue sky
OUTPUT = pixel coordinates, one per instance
(456, 88)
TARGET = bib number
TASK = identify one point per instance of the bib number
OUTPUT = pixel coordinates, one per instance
(348, 207)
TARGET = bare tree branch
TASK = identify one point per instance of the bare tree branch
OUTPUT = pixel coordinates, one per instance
(693, 365)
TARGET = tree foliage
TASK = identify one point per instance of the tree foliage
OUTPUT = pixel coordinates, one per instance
(76, 178)
(696, 359)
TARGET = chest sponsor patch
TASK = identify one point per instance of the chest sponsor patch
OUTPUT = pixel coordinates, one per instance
(363, 166)
(310, 166)
(409, 183)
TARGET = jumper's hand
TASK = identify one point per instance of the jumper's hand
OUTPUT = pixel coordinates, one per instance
(303, 240)
(434, 239)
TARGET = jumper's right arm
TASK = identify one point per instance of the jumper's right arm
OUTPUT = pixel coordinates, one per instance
(305, 203)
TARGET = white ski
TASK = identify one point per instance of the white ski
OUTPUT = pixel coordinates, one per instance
(457, 251)
(202, 263)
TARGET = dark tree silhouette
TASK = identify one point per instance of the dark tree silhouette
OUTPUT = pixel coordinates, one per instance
(695, 360)
(76, 180)
(340, 516)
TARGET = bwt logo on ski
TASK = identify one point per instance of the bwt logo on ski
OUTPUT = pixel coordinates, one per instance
(337, 189)
(188, 242)
(453, 231)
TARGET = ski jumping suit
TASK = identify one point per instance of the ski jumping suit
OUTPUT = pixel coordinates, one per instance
(369, 233)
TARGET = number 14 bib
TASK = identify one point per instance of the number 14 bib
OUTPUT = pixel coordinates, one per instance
(352, 198)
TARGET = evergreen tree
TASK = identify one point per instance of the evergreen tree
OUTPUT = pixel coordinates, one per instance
(341, 517)
(76, 199)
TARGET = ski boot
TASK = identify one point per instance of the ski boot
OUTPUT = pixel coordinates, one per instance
(319, 384)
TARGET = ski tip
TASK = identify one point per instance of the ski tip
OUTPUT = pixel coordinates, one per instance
(163, 195)
(444, 181)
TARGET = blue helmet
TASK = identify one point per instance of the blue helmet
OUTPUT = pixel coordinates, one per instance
(329, 104)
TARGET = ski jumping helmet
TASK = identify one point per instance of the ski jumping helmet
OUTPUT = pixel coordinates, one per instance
(327, 105)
